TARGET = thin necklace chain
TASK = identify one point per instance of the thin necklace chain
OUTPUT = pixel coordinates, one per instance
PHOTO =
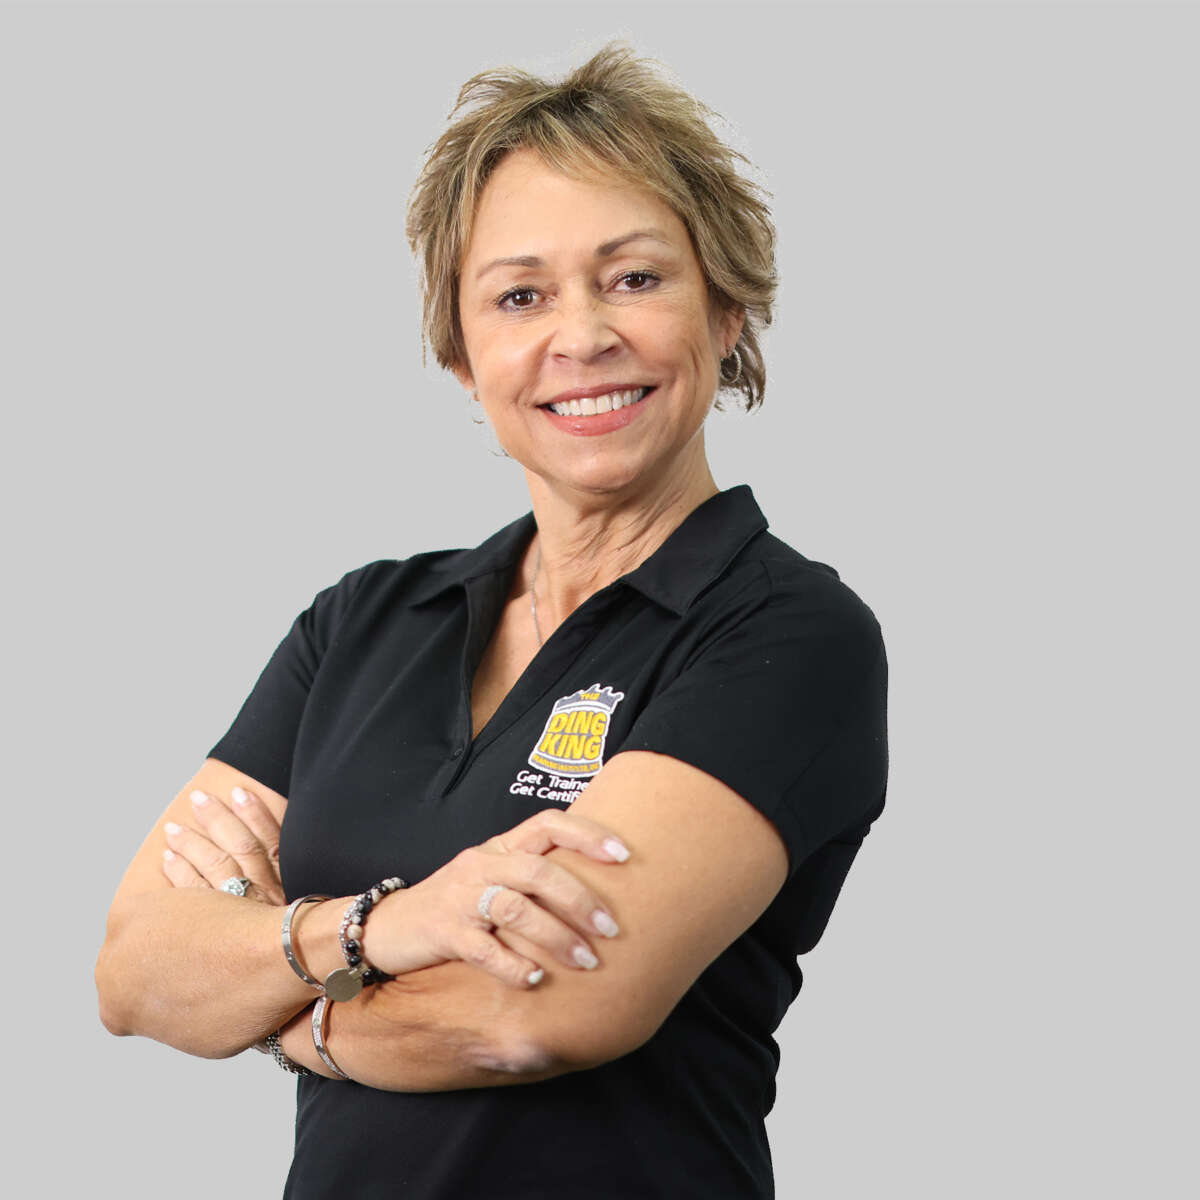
(533, 596)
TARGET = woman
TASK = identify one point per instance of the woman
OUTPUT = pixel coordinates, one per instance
(636, 663)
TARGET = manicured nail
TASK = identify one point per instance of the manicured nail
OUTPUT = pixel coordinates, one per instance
(604, 923)
(199, 799)
(536, 976)
(585, 958)
(171, 827)
(616, 849)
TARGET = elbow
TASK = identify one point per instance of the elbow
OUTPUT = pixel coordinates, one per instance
(112, 1021)
(112, 1015)
(130, 1005)
(578, 1045)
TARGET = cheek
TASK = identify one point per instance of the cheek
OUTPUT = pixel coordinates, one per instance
(682, 336)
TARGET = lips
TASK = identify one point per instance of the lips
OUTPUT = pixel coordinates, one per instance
(597, 404)
(592, 425)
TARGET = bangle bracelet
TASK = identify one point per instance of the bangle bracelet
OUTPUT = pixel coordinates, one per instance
(346, 982)
(276, 1052)
(286, 936)
(318, 1028)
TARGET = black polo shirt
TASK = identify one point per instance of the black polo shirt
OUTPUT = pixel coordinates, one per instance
(727, 649)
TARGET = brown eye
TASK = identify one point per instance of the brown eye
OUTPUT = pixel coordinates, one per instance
(640, 277)
(510, 295)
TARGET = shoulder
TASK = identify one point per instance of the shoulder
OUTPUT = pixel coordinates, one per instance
(808, 585)
(777, 597)
(430, 573)
(391, 573)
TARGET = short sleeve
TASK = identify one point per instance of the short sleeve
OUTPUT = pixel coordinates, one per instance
(262, 738)
(787, 706)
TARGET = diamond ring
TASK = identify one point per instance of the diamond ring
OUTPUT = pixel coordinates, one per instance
(485, 900)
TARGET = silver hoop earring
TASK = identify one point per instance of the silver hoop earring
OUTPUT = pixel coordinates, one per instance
(727, 380)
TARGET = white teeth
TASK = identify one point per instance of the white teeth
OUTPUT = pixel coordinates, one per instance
(592, 405)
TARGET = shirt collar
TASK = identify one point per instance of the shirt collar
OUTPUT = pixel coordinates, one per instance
(693, 556)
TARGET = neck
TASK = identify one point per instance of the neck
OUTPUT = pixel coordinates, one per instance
(586, 541)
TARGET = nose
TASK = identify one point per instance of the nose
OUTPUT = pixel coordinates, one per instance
(583, 328)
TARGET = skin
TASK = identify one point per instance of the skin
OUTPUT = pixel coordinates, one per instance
(603, 504)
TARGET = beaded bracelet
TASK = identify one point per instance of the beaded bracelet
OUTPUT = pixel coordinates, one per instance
(346, 982)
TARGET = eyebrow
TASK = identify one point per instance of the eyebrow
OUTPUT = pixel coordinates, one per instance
(604, 250)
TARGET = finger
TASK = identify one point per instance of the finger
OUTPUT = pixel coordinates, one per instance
(229, 832)
(208, 859)
(552, 827)
(565, 897)
(181, 873)
(259, 819)
(480, 949)
(515, 912)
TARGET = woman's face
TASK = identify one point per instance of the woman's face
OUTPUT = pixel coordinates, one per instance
(587, 305)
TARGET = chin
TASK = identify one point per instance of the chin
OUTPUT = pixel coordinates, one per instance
(608, 479)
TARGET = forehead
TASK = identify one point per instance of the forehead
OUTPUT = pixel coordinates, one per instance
(528, 207)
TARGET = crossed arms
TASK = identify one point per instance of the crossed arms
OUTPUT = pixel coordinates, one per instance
(204, 972)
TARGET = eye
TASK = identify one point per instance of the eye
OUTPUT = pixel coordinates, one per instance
(510, 301)
(502, 301)
(639, 275)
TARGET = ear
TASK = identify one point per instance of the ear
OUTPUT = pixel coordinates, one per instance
(727, 326)
(731, 326)
(462, 373)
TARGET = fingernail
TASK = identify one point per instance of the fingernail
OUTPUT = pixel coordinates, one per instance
(536, 976)
(240, 797)
(168, 855)
(604, 923)
(616, 849)
(199, 799)
(171, 827)
(585, 958)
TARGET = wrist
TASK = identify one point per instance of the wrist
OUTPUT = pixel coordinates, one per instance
(380, 945)
(296, 1041)
(315, 938)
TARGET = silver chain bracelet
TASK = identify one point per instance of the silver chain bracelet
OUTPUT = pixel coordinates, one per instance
(276, 1052)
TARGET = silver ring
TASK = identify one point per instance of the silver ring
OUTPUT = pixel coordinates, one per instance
(235, 885)
(485, 901)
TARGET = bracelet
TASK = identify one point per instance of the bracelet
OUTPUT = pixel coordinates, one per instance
(318, 1028)
(346, 982)
(276, 1052)
(286, 936)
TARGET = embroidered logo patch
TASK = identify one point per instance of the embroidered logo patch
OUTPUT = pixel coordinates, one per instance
(572, 743)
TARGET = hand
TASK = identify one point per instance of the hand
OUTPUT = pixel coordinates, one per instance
(240, 839)
(437, 920)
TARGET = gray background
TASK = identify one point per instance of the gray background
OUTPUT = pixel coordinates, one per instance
(987, 333)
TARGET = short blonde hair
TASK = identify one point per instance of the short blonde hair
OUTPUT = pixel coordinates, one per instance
(613, 113)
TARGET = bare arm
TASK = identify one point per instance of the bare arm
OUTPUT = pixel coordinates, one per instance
(425, 1032)
(437, 1029)
(204, 972)
(201, 970)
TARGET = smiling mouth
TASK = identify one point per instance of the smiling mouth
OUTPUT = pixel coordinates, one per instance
(593, 406)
